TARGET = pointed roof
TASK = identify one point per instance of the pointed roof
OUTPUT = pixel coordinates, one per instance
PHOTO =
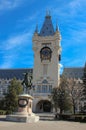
(47, 28)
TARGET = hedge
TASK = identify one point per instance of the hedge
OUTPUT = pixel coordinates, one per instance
(2, 112)
(71, 117)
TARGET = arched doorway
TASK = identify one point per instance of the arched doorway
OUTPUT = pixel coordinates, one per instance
(43, 106)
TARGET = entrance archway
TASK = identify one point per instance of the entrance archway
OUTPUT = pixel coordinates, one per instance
(43, 106)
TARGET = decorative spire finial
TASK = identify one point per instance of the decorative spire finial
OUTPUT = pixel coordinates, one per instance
(36, 30)
(48, 14)
(57, 28)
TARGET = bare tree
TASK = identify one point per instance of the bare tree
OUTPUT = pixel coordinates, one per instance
(60, 96)
(75, 88)
(84, 90)
(84, 82)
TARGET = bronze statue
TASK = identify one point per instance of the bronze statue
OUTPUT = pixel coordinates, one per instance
(27, 82)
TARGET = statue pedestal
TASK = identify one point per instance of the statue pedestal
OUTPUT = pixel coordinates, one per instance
(24, 113)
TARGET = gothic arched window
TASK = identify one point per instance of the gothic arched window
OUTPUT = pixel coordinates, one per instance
(45, 53)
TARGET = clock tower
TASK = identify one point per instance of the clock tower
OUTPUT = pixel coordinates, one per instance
(47, 51)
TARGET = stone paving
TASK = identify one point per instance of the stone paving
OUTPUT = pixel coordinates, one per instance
(41, 125)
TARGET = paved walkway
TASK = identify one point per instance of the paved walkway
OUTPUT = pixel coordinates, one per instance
(42, 125)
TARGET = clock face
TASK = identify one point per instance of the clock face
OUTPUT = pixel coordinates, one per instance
(45, 53)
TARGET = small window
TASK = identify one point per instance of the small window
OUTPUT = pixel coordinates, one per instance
(38, 88)
(44, 88)
(50, 88)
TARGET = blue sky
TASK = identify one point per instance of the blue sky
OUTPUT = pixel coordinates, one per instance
(18, 19)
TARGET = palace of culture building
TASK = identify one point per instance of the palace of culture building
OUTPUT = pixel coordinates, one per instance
(46, 70)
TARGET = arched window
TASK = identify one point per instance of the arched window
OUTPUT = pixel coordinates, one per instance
(45, 53)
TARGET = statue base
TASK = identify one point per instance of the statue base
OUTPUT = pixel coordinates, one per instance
(22, 117)
(24, 113)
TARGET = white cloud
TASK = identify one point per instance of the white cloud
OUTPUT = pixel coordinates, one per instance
(16, 41)
(69, 9)
(77, 3)
(76, 6)
(11, 48)
(9, 4)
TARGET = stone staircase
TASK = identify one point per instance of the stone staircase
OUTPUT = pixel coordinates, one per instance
(46, 116)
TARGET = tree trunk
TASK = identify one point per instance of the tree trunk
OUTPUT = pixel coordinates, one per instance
(74, 107)
(61, 111)
(74, 110)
